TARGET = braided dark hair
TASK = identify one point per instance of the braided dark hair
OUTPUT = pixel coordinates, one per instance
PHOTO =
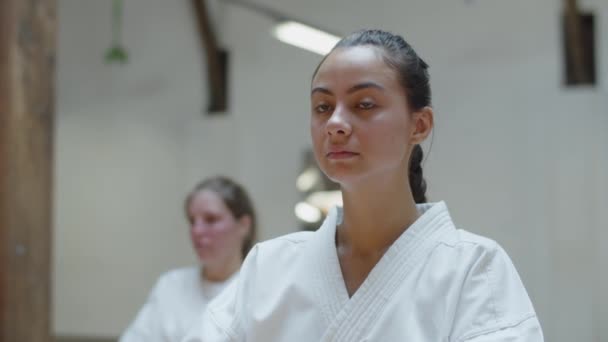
(235, 198)
(417, 182)
(414, 77)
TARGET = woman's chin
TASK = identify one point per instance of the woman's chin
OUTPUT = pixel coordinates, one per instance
(344, 177)
(204, 256)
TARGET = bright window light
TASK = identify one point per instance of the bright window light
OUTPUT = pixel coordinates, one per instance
(308, 179)
(305, 37)
(325, 200)
(307, 212)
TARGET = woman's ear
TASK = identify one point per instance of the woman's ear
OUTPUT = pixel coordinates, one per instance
(244, 224)
(422, 125)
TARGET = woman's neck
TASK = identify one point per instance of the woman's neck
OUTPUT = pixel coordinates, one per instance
(375, 215)
(221, 271)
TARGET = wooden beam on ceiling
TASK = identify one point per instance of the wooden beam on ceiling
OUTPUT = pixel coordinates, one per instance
(217, 60)
(581, 71)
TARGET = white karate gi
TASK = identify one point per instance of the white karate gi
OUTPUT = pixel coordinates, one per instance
(178, 299)
(434, 284)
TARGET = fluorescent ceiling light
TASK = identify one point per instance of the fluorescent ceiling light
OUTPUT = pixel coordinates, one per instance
(305, 37)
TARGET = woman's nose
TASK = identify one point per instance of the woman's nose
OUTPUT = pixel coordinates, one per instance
(338, 125)
(198, 227)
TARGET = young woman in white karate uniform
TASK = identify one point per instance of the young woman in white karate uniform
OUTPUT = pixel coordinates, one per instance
(382, 267)
(222, 228)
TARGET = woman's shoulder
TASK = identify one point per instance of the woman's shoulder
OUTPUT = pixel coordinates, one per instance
(492, 293)
(282, 254)
(285, 245)
(289, 239)
(178, 276)
(463, 240)
(475, 251)
(475, 255)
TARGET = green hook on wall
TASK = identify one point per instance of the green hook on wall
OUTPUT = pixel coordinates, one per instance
(117, 52)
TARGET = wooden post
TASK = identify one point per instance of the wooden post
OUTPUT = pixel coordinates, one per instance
(27, 63)
(580, 70)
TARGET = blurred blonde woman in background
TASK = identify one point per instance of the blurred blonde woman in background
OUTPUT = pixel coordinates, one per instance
(222, 229)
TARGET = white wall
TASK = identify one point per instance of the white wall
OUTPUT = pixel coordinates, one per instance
(517, 156)
(122, 143)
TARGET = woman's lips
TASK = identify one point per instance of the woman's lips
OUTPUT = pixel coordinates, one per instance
(341, 155)
(203, 242)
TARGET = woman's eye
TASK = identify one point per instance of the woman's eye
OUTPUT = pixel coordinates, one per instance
(366, 105)
(322, 108)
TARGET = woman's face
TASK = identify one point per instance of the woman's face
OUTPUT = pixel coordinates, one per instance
(215, 233)
(360, 123)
